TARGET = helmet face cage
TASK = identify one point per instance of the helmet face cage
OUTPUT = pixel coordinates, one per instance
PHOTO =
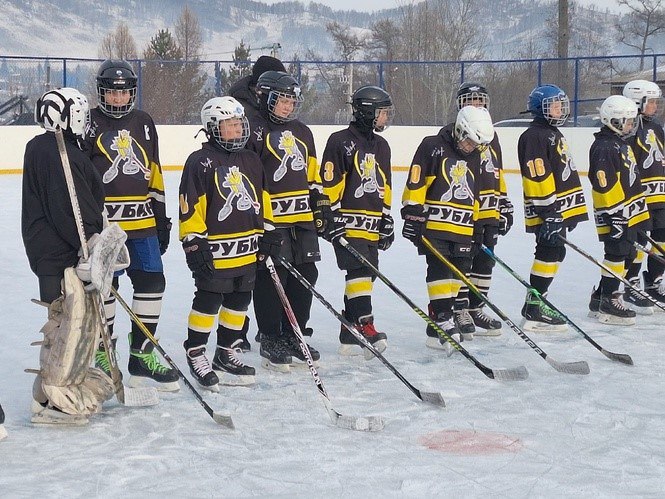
(116, 76)
(390, 114)
(648, 97)
(619, 113)
(63, 109)
(223, 119)
(556, 109)
(276, 97)
(112, 110)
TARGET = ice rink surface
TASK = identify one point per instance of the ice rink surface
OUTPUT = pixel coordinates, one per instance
(552, 435)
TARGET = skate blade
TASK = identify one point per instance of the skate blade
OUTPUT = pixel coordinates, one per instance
(611, 320)
(349, 350)
(280, 368)
(434, 344)
(488, 332)
(542, 327)
(228, 379)
(380, 347)
(140, 397)
(592, 314)
(468, 336)
(3, 432)
(639, 310)
(143, 382)
(299, 364)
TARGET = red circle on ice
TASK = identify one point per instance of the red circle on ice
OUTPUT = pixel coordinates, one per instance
(469, 442)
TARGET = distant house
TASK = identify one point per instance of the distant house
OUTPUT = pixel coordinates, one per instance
(617, 83)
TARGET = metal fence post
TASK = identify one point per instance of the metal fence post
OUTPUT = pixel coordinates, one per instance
(577, 89)
(64, 72)
(139, 89)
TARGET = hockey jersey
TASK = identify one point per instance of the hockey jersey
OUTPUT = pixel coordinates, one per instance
(615, 180)
(550, 181)
(223, 199)
(356, 178)
(125, 152)
(648, 146)
(491, 184)
(442, 180)
(288, 156)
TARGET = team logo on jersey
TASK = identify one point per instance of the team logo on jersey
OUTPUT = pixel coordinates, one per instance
(458, 181)
(207, 164)
(125, 154)
(438, 151)
(235, 187)
(629, 160)
(487, 162)
(289, 154)
(654, 153)
(564, 151)
(350, 148)
(258, 133)
(367, 169)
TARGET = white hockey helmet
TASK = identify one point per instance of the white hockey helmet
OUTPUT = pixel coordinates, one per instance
(619, 113)
(218, 110)
(641, 92)
(63, 109)
(474, 123)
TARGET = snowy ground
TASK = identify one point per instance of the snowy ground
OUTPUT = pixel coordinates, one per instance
(553, 435)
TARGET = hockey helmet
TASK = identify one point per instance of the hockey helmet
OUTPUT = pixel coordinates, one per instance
(224, 120)
(63, 109)
(619, 113)
(549, 102)
(118, 75)
(472, 94)
(368, 102)
(279, 95)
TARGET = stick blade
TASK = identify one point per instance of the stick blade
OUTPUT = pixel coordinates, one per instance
(580, 367)
(222, 420)
(139, 397)
(513, 374)
(432, 398)
(359, 423)
(619, 357)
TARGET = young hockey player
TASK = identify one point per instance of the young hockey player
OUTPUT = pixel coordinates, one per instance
(124, 148)
(66, 390)
(286, 148)
(357, 179)
(619, 204)
(224, 211)
(495, 217)
(553, 198)
(649, 148)
(439, 202)
(244, 90)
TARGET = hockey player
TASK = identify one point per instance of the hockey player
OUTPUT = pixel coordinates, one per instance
(244, 90)
(124, 148)
(649, 148)
(224, 211)
(495, 217)
(619, 204)
(553, 198)
(286, 148)
(66, 390)
(439, 202)
(357, 179)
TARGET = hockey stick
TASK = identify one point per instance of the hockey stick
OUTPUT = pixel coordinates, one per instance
(625, 281)
(653, 242)
(620, 357)
(430, 397)
(650, 252)
(218, 418)
(370, 423)
(512, 374)
(133, 397)
(578, 367)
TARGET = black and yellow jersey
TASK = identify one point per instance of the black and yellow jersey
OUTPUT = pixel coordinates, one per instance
(649, 149)
(125, 152)
(615, 180)
(550, 181)
(490, 184)
(442, 180)
(356, 177)
(223, 199)
(288, 155)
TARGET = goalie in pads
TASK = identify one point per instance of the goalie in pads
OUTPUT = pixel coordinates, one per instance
(67, 390)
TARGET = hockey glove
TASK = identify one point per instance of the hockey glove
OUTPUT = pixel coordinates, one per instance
(505, 216)
(551, 227)
(323, 216)
(618, 225)
(199, 257)
(386, 232)
(270, 244)
(414, 222)
(164, 234)
(335, 229)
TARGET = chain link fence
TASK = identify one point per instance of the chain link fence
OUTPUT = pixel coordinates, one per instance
(423, 92)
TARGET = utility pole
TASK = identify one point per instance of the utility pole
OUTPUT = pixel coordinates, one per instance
(563, 38)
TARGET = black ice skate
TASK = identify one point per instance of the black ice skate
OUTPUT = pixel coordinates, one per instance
(594, 303)
(612, 311)
(229, 368)
(200, 368)
(653, 287)
(464, 323)
(485, 325)
(292, 346)
(378, 339)
(440, 343)
(635, 301)
(145, 369)
(274, 355)
(540, 318)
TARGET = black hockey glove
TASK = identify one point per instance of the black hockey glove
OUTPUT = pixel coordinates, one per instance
(323, 215)
(386, 232)
(164, 234)
(335, 229)
(505, 216)
(618, 225)
(551, 227)
(414, 223)
(199, 258)
(270, 244)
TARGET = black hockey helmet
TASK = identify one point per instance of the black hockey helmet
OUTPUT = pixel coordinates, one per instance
(273, 85)
(469, 94)
(367, 102)
(116, 74)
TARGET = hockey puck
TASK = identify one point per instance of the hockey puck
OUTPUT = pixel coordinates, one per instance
(470, 443)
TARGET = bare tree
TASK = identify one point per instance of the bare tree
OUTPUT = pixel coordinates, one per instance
(645, 19)
(188, 35)
(118, 44)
